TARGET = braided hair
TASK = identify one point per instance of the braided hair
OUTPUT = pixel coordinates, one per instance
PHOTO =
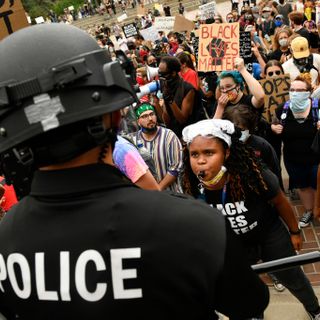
(244, 168)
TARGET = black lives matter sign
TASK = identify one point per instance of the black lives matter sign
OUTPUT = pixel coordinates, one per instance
(130, 30)
(12, 17)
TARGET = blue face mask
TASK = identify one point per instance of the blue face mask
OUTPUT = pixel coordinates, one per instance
(278, 23)
(299, 101)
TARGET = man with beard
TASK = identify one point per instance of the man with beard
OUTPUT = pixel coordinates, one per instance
(163, 145)
(178, 95)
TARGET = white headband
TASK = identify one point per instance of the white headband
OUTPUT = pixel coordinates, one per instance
(212, 127)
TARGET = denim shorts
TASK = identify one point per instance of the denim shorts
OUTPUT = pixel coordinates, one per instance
(301, 175)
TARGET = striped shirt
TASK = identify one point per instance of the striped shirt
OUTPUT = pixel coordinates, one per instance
(166, 151)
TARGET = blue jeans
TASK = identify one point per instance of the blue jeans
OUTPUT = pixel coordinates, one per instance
(276, 245)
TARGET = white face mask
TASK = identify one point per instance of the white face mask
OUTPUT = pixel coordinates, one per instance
(283, 42)
(244, 136)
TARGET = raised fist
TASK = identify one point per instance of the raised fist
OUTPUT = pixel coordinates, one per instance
(217, 49)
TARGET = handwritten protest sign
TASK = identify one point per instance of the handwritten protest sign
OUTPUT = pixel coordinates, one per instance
(276, 93)
(122, 17)
(130, 30)
(150, 34)
(12, 17)
(218, 46)
(191, 15)
(207, 10)
(164, 23)
(245, 50)
(182, 24)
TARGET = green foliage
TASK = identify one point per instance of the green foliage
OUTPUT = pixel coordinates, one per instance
(37, 8)
(60, 5)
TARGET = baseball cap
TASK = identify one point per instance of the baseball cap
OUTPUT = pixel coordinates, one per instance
(300, 47)
(279, 16)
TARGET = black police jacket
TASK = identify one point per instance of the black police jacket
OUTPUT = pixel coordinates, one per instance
(87, 244)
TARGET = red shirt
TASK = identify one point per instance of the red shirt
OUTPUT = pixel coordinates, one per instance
(9, 195)
(190, 76)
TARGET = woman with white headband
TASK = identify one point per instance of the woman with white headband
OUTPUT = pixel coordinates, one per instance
(224, 172)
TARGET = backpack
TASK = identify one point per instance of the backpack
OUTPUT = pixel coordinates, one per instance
(314, 108)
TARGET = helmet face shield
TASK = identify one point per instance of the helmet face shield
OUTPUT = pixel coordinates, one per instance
(64, 90)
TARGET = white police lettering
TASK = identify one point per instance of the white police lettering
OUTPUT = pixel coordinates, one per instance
(43, 294)
(238, 221)
(3, 272)
(18, 267)
(21, 261)
(85, 257)
(118, 274)
(65, 276)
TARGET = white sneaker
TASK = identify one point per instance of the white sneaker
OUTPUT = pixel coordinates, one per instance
(305, 220)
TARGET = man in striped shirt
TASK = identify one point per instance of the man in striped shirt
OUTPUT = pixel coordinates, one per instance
(163, 145)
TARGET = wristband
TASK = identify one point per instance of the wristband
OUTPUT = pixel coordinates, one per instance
(295, 233)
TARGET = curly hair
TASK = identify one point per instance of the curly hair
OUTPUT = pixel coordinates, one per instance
(244, 168)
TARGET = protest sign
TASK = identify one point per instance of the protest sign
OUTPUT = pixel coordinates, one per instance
(150, 34)
(130, 30)
(195, 46)
(245, 46)
(12, 17)
(218, 46)
(207, 10)
(245, 50)
(276, 93)
(122, 17)
(164, 23)
(182, 24)
(39, 20)
(191, 15)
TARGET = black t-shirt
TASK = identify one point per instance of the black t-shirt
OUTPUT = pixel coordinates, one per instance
(252, 217)
(88, 244)
(264, 151)
(246, 100)
(276, 55)
(298, 137)
(303, 32)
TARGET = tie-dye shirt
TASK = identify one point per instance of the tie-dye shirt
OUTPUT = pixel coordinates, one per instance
(128, 160)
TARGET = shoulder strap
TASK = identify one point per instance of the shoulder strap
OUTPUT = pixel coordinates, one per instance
(315, 110)
(284, 113)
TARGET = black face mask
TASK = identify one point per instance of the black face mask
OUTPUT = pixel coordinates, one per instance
(153, 65)
(302, 62)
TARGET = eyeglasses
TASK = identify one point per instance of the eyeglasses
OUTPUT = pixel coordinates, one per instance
(225, 90)
(146, 116)
(272, 73)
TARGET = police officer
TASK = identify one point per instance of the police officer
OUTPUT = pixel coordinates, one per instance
(86, 243)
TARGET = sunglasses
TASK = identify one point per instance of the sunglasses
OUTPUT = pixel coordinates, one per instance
(272, 73)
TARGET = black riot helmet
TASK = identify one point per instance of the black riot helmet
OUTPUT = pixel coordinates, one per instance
(56, 83)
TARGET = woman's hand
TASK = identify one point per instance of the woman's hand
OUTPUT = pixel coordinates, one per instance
(277, 128)
(296, 241)
(239, 64)
(223, 101)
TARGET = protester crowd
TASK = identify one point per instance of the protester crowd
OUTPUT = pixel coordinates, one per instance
(205, 134)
